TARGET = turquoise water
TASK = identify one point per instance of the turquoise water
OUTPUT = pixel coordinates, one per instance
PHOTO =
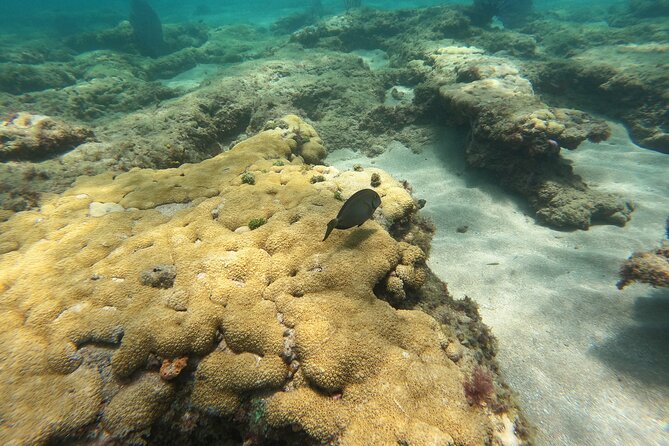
(47, 16)
(524, 146)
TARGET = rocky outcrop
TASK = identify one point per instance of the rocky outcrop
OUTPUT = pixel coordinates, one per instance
(518, 138)
(35, 137)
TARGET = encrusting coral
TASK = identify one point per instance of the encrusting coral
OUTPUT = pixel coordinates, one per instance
(271, 319)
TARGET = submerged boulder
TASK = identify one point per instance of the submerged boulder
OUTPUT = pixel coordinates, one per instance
(519, 138)
(25, 136)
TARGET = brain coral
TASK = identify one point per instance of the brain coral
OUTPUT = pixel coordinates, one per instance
(278, 328)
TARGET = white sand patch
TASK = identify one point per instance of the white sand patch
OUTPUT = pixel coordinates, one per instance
(191, 79)
(374, 59)
(590, 363)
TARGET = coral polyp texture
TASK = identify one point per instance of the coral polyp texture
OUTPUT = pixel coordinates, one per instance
(142, 299)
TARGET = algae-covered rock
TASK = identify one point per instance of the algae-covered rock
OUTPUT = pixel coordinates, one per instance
(518, 137)
(34, 137)
(276, 331)
(651, 267)
(21, 78)
(624, 81)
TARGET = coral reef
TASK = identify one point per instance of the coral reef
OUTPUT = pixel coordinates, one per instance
(513, 133)
(203, 123)
(35, 137)
(283, 333)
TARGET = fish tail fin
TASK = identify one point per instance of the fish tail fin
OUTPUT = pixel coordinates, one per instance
(331, 226)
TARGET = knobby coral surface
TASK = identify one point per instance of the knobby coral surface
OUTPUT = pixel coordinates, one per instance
(280, 329)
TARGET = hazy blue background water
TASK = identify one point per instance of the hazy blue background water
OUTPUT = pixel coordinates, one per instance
(70, 16)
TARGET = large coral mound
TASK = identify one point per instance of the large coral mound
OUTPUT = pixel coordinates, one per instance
(120, 274)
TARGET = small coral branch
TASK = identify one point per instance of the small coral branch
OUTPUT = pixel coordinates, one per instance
(479, 388)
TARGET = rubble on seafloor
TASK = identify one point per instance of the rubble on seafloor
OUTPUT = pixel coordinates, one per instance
(160, 315)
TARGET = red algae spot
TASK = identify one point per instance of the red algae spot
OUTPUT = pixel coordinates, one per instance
(171, 368)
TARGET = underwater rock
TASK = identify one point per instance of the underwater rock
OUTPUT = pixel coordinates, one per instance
(627, 82)
(35, 137)
(23, 78)
(646, 267)
(512, 13)
(266, 317)
(648, 8)
(293, 22)
(391, 30)
(519, 138)
(116, 96)
(118, 38)
(651, 267)
(122, 38)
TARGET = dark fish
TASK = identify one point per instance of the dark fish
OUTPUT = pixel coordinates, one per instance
(147, 29)
(358, 209)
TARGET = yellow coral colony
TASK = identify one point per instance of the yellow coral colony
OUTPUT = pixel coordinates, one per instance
(271, 311)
